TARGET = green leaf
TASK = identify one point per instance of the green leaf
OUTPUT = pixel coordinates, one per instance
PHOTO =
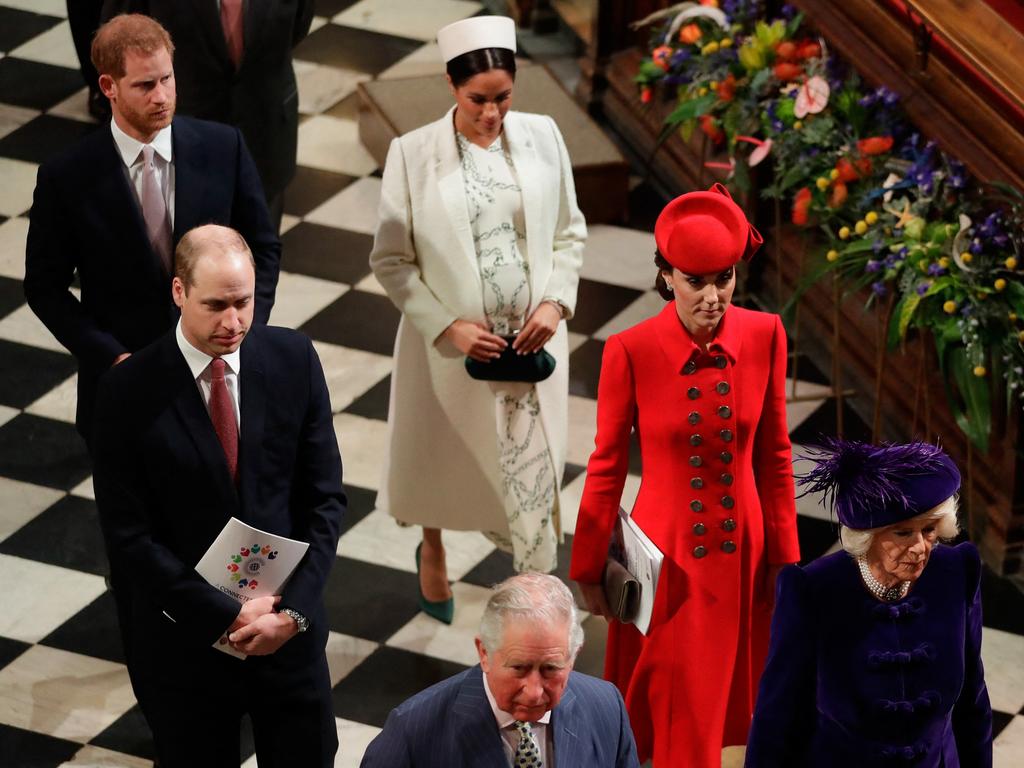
(794, 25)
(902, 314)
(791, 177)
(758, 81)
(692, 109)
(970, 401)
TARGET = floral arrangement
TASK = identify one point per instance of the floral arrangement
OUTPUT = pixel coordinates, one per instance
(940, 252)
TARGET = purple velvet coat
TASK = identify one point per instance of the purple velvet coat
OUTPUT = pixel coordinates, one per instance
(853, 682)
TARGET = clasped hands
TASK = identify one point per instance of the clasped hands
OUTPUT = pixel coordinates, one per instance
(475, 340)
(259, 630)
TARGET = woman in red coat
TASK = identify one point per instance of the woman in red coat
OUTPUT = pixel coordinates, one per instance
(703, 384)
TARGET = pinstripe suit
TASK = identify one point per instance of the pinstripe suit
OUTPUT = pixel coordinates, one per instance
(451, 725)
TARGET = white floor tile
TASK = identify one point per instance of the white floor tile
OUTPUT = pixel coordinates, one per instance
(299, 297)
(91, 756)
(63, 694)
(74, 107)
(419, 20)
(1008, 747)
(350, 372)
(353, 739)
(619, 255)
(576, 340)
(362, 444)
(46, 597)
(582, 428)
(321, 86)
(54, 46)
(573, 492)
(7, 413)
(452, 642)
(46, 7)
(1002, 653)
(421, 62)
(318, 21)
(19, 183)
(12, 118)
(345, 653)
(809, 505)
(84, 489)
(354, 208)
(23, 327)
(59, 403)
(13, 235)
(332, 144)
(370, 284)
(811, 396)
(21, 502)
(647, 305)
(288, 221)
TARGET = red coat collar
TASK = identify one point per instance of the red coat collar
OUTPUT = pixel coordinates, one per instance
(679, 346)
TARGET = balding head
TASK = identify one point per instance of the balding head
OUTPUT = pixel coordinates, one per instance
(209, 240)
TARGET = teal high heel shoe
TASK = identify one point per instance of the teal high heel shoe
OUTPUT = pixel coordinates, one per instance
(442, 610)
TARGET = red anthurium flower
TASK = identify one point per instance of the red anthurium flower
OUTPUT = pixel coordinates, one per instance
(846, 170)
(875, 145)
(801, 203)
(787, 71)
(727, 88)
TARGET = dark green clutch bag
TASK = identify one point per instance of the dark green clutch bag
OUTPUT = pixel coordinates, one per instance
(512, 367)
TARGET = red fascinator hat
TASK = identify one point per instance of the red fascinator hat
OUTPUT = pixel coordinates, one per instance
(702, 232)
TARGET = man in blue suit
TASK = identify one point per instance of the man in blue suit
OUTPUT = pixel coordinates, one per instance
(523, 706)
(110, 209)
(221, 418)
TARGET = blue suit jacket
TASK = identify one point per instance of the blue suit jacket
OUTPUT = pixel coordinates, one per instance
(86, 222)
(451, 725)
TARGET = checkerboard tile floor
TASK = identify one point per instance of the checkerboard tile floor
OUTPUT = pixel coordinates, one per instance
(65, 698)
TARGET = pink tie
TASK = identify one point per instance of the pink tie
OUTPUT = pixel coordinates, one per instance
(222, 414)
(231, 21)
(154, 211)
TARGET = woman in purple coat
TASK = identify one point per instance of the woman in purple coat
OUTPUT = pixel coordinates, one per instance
(875, 652)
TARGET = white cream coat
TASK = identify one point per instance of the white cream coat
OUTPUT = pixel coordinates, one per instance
(441, 463)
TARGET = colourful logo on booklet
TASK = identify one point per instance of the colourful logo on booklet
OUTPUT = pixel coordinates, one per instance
(247, 564)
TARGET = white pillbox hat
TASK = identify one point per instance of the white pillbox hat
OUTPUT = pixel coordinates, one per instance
(475, 33)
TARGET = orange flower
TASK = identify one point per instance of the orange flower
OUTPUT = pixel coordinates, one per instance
(690, 34)
(711, 129)
(712, 3)
(846, 170)
(875, 145)
(727, 88)
(863, 165)
(786, 50)
(786, 71)
(801, 203)
(645, 96)
(839, 194)
(809, 49)
(662, 56)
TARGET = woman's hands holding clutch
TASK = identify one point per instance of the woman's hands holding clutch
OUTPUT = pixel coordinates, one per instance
(538, 329)
(475, 340)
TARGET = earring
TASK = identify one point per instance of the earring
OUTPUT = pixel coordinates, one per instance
(668, 287)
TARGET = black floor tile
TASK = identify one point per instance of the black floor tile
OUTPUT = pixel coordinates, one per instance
(644, 206)
(357, 319)
(11, 649)
(44, 452)
(1002, 603)
(597, 303)
(346, 109)
(17, 27)
(572, 471)
(311, 187)
(999, 721)
(34, 85)
(822, 423)
(355, 49)
(816, 537)
(27, 749)
(28, 373)
(326, 252)
(93, 631)
(12, 295)
(129, 734)
(67, 534)
(361, 502)
(373, 403)
(42, 137)
(585, 368)
(329, 8)
(354, 584)
(387, 678)
(497, 567)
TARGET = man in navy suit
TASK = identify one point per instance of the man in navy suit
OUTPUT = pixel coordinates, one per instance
(221, 418)
(523, 705)
(88, 218)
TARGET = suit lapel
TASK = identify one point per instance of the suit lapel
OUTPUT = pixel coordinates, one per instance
(207, 16)
(253, 414)
(566, 724)
(453, 193)
(188, 179)
(477, 739)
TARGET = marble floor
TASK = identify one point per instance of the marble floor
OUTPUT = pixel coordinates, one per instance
(65, 698)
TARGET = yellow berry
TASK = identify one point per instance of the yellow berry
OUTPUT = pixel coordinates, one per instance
(999, 284)
(949, 307)
(798, 124)
(822, 183)
(702, 91)
(1011, 263)
(980, 295)
(725, 42)
(923, 265)
(944, 262)
(713, 84)
(844, 233)
(1020, 337)
(832, 255)
(860, 227)
(1013, 317)
(966, 257)
(833, 174)
(871, 217)
(711, 47)
(979, 371)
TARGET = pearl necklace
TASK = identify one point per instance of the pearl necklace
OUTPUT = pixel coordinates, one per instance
(876, 588)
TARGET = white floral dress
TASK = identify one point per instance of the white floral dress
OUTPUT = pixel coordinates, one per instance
(527, 470)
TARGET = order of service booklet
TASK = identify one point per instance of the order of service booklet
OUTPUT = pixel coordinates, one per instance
(245, 563)
(643, 560)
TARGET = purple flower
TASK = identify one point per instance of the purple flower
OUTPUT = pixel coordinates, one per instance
(1001, 240)
(935, 270)
(867, 100)
(957, 175)
(887, 97)
(878, 288)
(872, 266)
(890, 261)
(877, 245)
(681, 55)
(922, 288)
(966, 310)
(975, 247)
(778, 126)
(902, 252)
(787, 11)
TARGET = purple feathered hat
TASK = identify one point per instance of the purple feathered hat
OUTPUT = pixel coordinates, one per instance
(872, 486)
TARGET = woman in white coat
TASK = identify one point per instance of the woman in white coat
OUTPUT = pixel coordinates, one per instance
(479, 237)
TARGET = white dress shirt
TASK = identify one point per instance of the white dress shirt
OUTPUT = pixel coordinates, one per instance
(163, 161)
(199, 363)
(510, 736)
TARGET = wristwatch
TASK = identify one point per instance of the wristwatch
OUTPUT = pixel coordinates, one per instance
(300, 620)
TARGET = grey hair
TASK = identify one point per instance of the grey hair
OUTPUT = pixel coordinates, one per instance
(857, 542)
(535, 597)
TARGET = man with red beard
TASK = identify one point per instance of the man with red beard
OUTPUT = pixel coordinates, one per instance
(111, 208)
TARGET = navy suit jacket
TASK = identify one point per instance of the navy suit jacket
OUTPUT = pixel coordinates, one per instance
(164, 491)
(451, 725)
(86, 220)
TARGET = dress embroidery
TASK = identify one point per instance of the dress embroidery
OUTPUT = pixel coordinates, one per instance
(495, 203)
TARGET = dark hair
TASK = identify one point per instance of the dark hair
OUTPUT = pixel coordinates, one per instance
(659, 282)
(467, 65)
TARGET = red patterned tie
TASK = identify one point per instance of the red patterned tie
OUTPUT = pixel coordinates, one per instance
(231, 21)
(222, 414)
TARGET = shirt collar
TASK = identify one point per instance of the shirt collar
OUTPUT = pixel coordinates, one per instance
(504, 718)
(129, 148)
(680, 346)
(199, 361)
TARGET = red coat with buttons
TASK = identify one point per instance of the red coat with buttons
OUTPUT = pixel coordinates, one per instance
(717, 498)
